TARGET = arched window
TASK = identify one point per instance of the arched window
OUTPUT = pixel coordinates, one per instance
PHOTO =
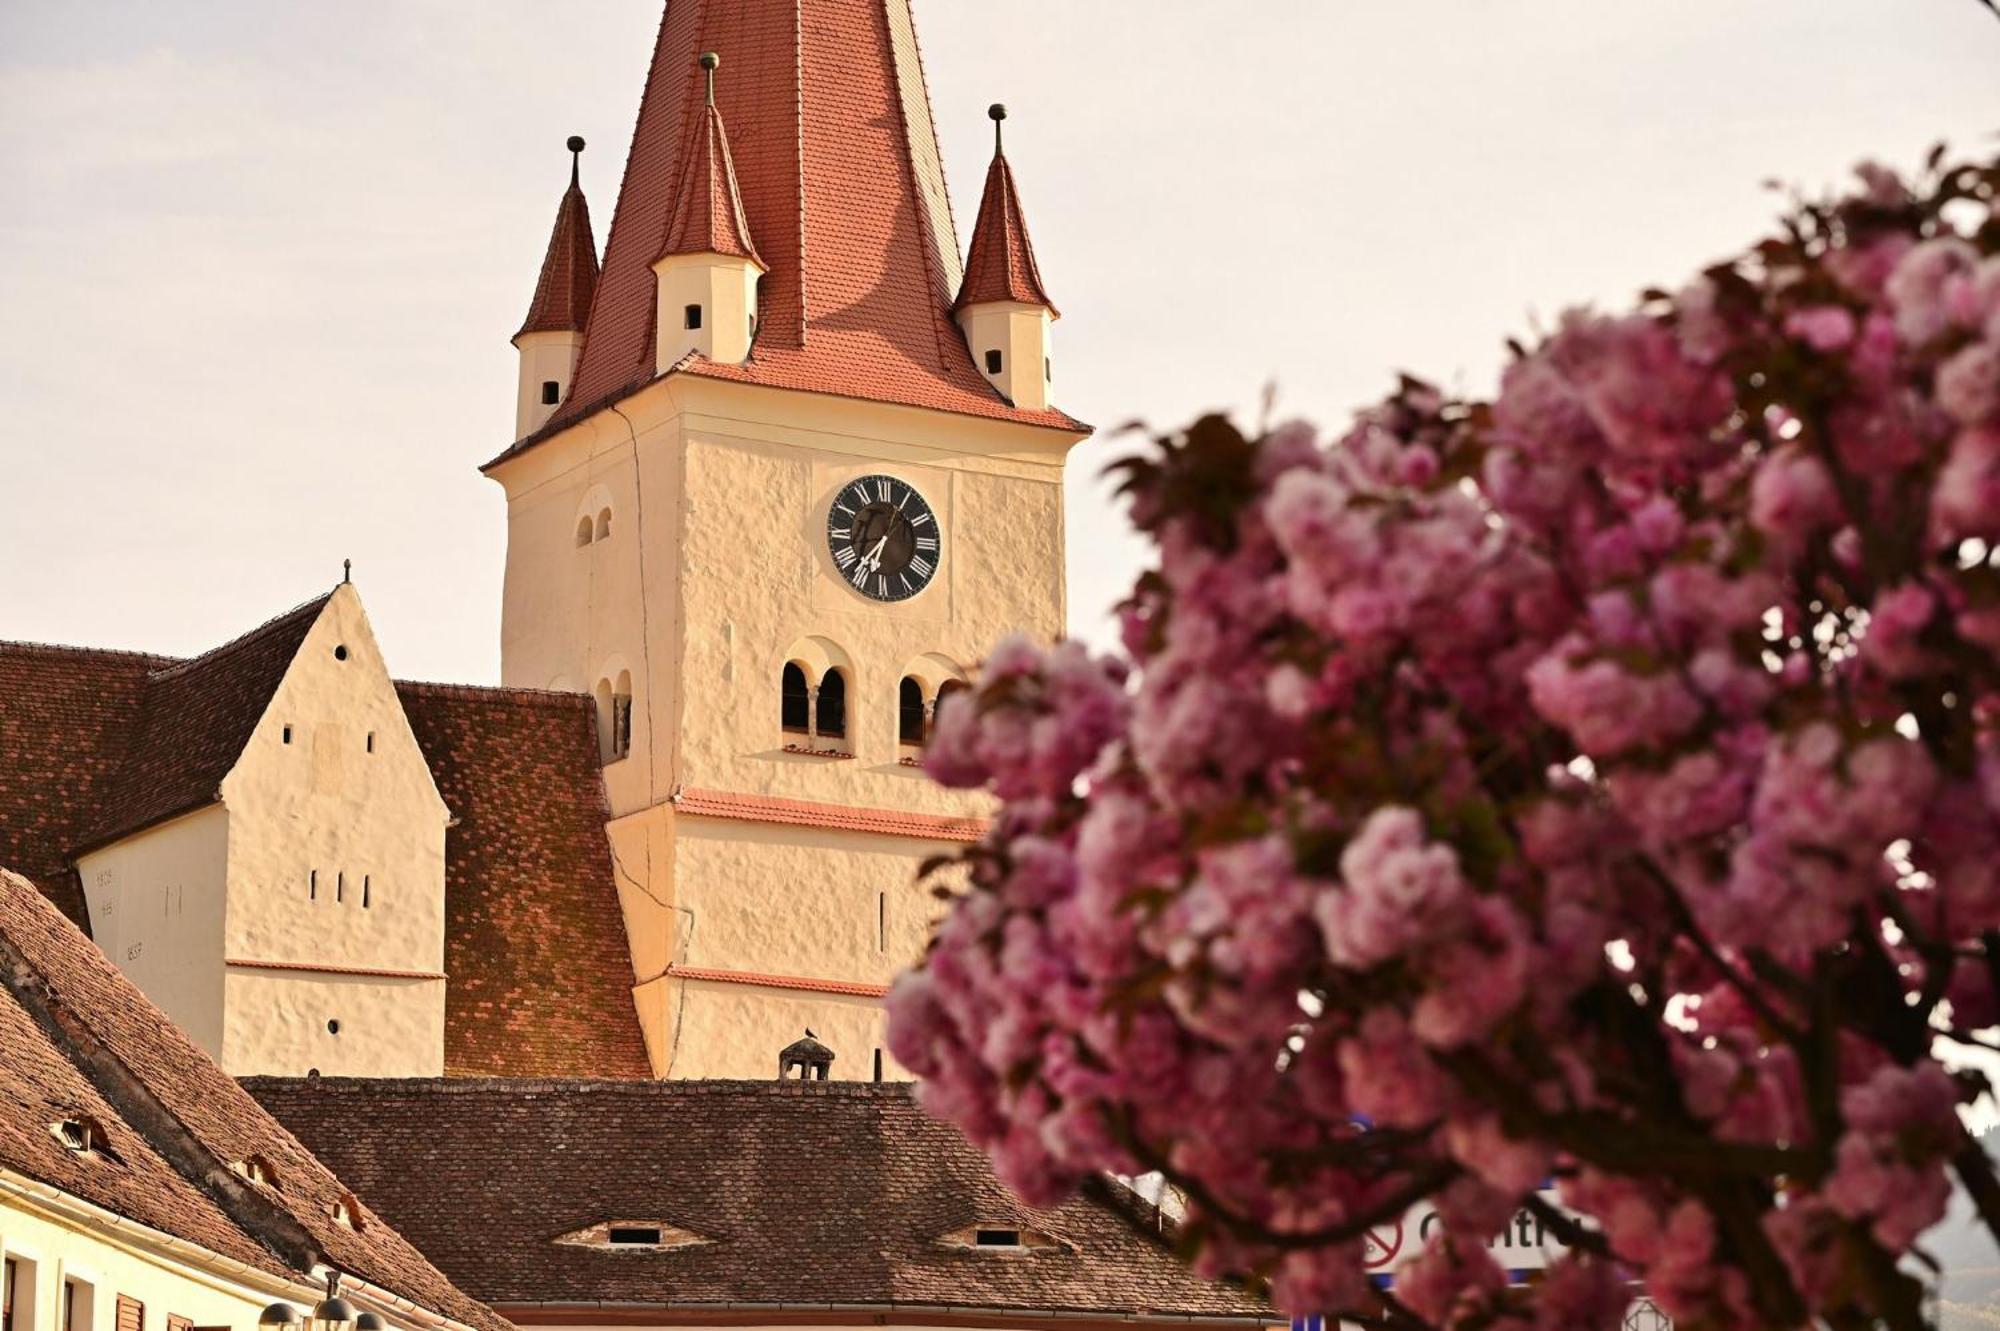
(605, 716)
(797, 700)
(832, 716)
(604, 524)
(950, 688)
(910, 711)
(583, 530)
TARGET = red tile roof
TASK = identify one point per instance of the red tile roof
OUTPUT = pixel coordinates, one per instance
(808, 1194)
(568, 283)
(66, 714)
(194, 724)
(80, 1039)
(836, 156)
(540, 973)
(804, 813)
(758, 979)
(1001, 264)
(708, 214)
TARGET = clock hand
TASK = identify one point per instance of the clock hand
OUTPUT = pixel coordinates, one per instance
(873, 559)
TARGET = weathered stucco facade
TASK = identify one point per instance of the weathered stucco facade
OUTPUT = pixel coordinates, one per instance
(715, 575)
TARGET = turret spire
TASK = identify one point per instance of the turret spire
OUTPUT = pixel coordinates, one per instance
(708, 216)
(1002, 307)
(551, 338)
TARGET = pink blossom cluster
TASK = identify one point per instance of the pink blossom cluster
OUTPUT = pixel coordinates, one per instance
(1597, 784)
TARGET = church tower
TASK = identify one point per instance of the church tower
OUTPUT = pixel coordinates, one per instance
(807, 471)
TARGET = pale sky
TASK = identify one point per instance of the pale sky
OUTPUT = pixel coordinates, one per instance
(259, 260)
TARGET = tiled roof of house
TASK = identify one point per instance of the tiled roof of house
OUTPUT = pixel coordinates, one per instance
(843, 188)
(66, 715)
(194, 723)
(708, 212)
(539, 976)
(79, 1039)
(568, 281)
(1001, 263)
(807, 1194)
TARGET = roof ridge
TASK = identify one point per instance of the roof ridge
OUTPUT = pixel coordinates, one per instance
(492, 693)
(186, 665)
(155, 660)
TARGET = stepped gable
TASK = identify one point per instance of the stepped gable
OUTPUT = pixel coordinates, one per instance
(81, 1039)
(841, 183)
(822, 1194)
(194, 724)
(67, 715)
(539, 972)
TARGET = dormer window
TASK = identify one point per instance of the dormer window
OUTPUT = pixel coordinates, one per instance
(1005, 1237)
(632, 1236)
(347, 1212)
(80, 1135)
(996, 1238)
(627, 1236)
(257, 1170)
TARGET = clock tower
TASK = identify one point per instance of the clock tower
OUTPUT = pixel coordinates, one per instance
(806, 470)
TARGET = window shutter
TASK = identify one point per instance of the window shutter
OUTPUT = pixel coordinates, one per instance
(131, 1314)
(178, 1323)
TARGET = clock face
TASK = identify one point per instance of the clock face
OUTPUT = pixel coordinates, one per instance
(883, 537)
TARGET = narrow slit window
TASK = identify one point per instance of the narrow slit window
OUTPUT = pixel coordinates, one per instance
(551, 392)
(365, 892)
(288, 735)
(878, 1065)
(340, 887)
(995, 361)
(692, 314)
(371, 741)
(583, 531)
(634, 1236)
(312, 885)
(881, 921)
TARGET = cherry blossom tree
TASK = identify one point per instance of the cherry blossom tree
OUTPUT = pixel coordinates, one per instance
(1600, 783)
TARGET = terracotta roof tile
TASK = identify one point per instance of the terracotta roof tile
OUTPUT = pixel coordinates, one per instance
(92, 1042)
(66, 717)
(835, 154)
(568, 281)
(540, 973)
(708, 212)
(808, 1194)
(1001, 264)
(193, 725)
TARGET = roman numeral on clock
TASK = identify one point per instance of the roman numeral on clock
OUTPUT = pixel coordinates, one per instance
(845, 557)
(928, 544)
(923, 566)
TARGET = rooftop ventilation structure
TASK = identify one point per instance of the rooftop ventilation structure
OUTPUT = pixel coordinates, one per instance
(812, 1060)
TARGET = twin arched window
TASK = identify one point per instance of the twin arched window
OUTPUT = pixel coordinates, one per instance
(590, 529)
(814, 710)
(614, 716)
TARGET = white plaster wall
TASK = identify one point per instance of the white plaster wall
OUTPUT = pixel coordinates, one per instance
(1024, 333)
(282, 1024)
(544, 356)
(109, 1265)
(318, 827)
(156, 909)
(734, 1030)
(726, 290)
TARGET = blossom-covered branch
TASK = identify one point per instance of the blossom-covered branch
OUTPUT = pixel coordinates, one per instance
(1600, 783)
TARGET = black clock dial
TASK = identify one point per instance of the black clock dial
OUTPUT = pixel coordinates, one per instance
(883, 537)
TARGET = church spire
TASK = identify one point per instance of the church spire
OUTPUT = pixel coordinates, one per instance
(1001, 264)
(708, 269)
(1002, 306)
(569, 271)
(551, 339)
(708, 211)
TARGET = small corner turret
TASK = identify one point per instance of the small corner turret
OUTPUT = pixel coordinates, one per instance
(708, 267)
(1002, 307)
(551, 340)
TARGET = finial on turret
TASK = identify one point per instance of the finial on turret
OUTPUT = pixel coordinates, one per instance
(998, 114)
(576, 146)
(711, 62)
(346, 571)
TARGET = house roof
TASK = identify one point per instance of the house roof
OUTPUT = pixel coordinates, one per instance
(806, 1193)
(80, 1039)
(568, 281)
(1001, 263)
(708, 211)
(196, 718)
(539, 974)
(841, 184)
